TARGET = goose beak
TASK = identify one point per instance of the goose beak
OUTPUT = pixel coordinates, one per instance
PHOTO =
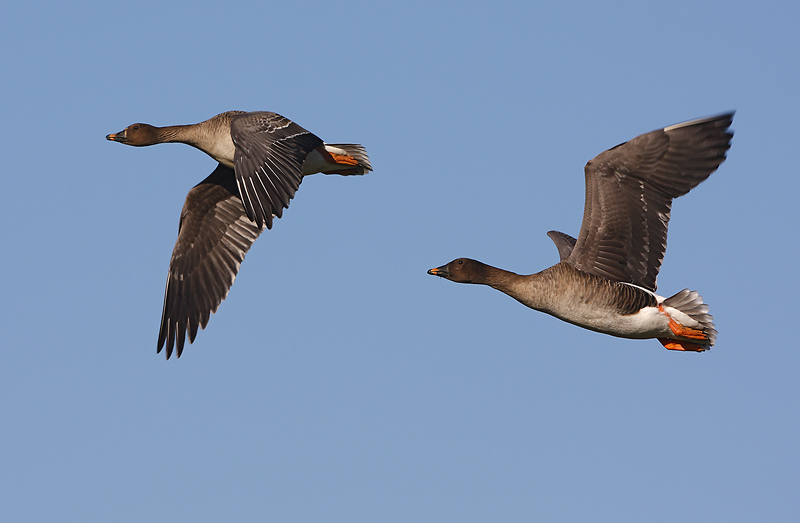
(117, 137)
(439, 271)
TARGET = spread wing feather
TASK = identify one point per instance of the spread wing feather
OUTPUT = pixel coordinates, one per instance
(213, 237)
(270, 151)
(629, 193)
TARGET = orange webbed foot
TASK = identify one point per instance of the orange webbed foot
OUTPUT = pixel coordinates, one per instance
(681, 345)
(342, 159)
(681, 330)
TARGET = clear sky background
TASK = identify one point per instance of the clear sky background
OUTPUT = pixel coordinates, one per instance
(338, 381)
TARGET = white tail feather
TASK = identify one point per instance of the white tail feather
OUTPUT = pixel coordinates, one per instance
(356, 151)
(690, 303)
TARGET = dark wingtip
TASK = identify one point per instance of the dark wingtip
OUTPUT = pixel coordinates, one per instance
(564, 243)
(168, 351)
(259, 218)
(164, 335)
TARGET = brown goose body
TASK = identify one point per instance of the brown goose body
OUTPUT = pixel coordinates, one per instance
(262, 157)
(606, 279)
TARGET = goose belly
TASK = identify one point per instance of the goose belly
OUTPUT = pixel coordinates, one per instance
(648, 322)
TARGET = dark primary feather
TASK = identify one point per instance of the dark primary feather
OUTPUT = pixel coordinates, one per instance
(629, 193)
(564, 243)
(270, 151)
(213, 237)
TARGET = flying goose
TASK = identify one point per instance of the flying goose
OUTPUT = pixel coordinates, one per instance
(606, 279)
(262, 160)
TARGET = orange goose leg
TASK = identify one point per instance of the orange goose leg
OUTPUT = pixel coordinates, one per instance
(683, 331)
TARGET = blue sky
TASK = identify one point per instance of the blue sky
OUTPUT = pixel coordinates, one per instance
(338, 381)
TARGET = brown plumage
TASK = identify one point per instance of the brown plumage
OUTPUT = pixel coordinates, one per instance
(606, 279)
(262, 157)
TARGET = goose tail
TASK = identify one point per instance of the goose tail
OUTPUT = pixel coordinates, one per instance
(351, 157)
(689, 321)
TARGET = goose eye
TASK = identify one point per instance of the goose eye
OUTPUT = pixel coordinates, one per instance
(135, 127)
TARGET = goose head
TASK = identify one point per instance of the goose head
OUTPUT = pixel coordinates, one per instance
(138, 135)
(463, 270)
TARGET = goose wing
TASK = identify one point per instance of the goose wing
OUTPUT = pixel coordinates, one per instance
(629, 193)
(564, 243)
(213, 237)
(270, 151)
